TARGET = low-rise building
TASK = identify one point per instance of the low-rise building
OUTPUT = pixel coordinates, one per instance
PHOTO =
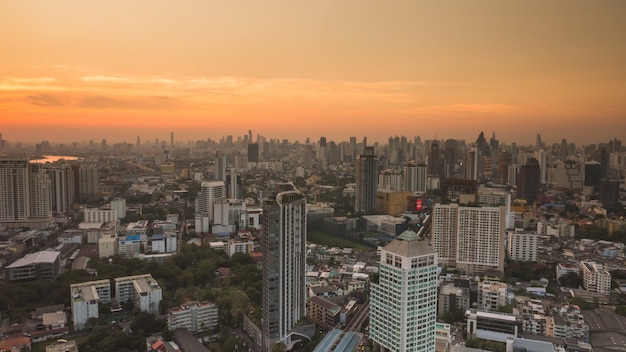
(86, 297)
(491, 295)
(143, 290)
(323, 313)
(44, 265)
(194, 316)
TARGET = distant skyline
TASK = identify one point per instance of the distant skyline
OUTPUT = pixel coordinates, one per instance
(115, 70)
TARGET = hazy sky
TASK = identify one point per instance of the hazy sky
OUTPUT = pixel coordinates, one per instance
(80, 70)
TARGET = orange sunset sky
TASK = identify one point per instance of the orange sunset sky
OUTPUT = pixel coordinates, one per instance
(74, 70)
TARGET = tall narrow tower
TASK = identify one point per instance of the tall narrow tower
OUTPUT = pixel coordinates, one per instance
(403, 308)
(14, 190)
(284, 260)
(366, 181)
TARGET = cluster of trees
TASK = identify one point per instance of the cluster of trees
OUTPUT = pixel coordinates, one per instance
(188, 275)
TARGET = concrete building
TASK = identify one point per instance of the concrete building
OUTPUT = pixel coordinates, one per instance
(24, 194)
(165, 243)
(44, 265)
(522, 245)
(470, 238)
(595, 278)
(92, 215)
(391, 202)
(403, 307)
(210, 192)
(366, 181)
(194, 316)
(324, 313)
(86, 297)
(239, 246)
(492, 326)
(415, 177)
(451, 298)
(491, 295)
(284, 265)
(142, 290)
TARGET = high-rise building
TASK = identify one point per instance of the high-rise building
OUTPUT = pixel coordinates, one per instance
(366, 181)
(528, 180)
(284, 264)
(233, 184)
(221, 165)
(471, 165)
(24, 193)
(434, 160)
(470, 238)
(609, 193)
(253, 152)
(61, 188)
(88, 183)
(14, 190)
(415, 177)
(403, 307)
(210, 192)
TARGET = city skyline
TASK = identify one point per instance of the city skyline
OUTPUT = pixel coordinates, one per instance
(117, 70)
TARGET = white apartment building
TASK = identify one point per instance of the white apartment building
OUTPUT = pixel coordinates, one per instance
(238, 246)
(564, 268)
(193, 316)
(595, 277)
(470, 238)
(522, 245)
(99, 215)
(403, 308)
(165, 243)
(491, 295)
(142, 290)
(86, 297)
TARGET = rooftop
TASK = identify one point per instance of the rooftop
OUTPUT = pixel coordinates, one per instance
(409, 245)
(34, 258)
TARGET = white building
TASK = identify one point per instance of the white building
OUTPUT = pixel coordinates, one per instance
(491, 295)
(142, 290)
(210, 192)
(522, 245)
(165, 243)
(403, 307)
(95, 215)
(193, 316)
(238, 246)
(470, 238)
(595, 277)
(86, 297)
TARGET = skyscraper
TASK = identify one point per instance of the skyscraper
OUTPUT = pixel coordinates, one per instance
(415, 177)
(284, 260)
(366, 181)
(403, 307)
(14, 187)
(210, 191)
(221, 165)
(24, 194)
(253, 152)
(528, 180)
(61, 187)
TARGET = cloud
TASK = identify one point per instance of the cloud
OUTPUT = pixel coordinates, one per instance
(133, 103)
(45, 100)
